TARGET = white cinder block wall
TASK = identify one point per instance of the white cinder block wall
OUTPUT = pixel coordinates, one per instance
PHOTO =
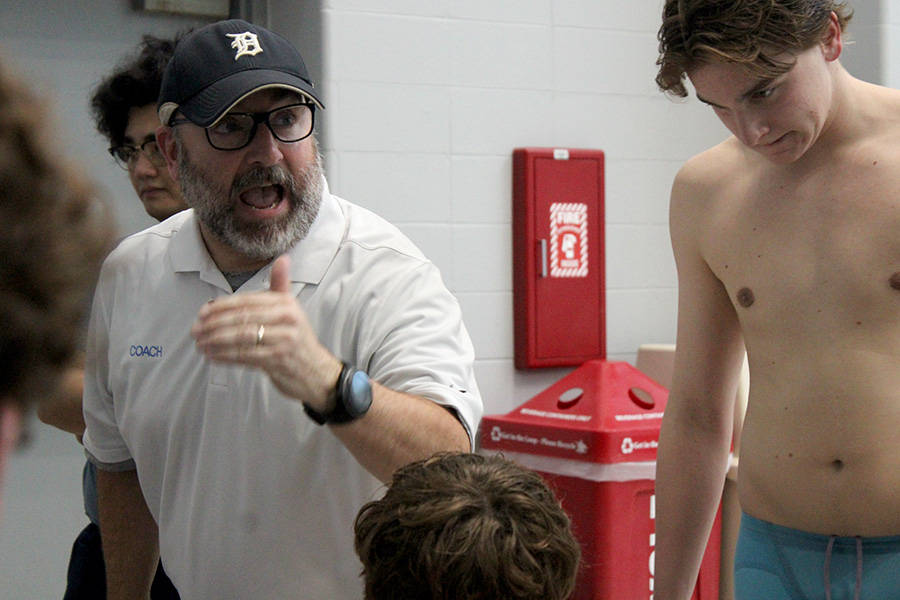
(426, 101)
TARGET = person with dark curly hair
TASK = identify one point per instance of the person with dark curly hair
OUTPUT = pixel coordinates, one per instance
(123, 105)
(54, 235)
(461, 526)
(124, 109)
(785, 241)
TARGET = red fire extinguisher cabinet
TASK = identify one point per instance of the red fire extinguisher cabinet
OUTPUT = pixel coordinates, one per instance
(593, 436)
(559, 301)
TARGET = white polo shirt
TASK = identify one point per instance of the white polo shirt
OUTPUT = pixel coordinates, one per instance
(253, 499)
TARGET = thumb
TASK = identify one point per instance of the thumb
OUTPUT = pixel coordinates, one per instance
(281, 274)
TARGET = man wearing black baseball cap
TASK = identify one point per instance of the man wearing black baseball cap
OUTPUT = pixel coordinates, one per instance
(257, 364)
(227, 62)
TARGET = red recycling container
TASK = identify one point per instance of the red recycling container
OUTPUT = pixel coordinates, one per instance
(593, 436)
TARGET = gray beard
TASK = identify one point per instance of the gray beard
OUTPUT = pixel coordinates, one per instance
(255, 241)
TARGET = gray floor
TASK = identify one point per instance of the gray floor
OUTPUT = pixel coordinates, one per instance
(41, 514)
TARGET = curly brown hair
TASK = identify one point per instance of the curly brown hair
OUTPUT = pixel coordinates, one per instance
(134, 83)
(461, 526)
(751, 33)
(54, 235)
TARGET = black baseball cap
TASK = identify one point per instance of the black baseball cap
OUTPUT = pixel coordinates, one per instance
(216, 67)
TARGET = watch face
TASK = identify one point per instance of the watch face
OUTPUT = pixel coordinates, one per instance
(360, 394)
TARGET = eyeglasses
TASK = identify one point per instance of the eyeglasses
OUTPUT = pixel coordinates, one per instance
(234, 131)
(126, 156)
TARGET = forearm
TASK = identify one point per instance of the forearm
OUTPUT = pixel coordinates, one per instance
(398, 429)
(64, 414)
(691, 467)
(63, 410)
(130, 536)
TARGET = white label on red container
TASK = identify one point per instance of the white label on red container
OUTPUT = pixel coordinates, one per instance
(639, 417)
(568, 467)
(629, 445)
(498, 435)
(577, 446)
(549, 414)
(568, 239)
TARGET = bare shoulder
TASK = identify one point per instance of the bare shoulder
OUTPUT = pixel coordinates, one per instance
(712, 168)
(887, 98)
(708, 180)
(879, 114)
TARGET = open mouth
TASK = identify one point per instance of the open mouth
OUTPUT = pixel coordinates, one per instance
(263, 198)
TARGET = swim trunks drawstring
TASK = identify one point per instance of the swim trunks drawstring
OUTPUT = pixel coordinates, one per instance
(859, 568)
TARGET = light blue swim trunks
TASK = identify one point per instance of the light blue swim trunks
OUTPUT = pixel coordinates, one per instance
(778, 563)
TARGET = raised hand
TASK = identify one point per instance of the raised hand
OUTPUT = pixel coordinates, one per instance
(269, 330)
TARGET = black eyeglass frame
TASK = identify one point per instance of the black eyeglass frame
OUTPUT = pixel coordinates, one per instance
(259, 117)
(135, 150)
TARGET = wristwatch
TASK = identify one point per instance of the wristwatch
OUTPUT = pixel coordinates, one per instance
(351, 397)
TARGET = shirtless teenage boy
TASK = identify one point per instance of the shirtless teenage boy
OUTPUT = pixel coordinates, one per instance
(787, 242)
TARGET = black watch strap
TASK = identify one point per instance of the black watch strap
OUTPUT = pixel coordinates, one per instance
(350, 399)
(319, 418)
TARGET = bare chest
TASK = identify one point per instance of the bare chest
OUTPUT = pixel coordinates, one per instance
(818, 254)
